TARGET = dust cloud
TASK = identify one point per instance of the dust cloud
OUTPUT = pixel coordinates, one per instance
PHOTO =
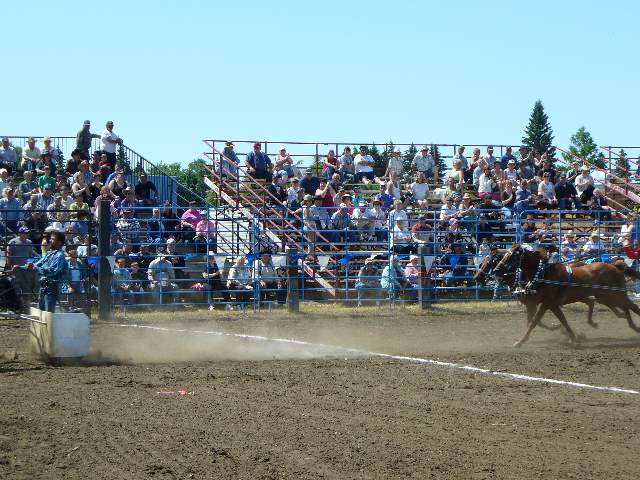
(144, 345)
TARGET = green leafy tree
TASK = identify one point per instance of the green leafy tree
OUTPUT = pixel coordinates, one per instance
(623, 168)
(190, 178)
(539, 135)
(583, 146)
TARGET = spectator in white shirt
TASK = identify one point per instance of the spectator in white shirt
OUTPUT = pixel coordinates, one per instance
(364, 166)
(547, 190)
(394, 164)
(584, 185)
(110, 141)
(486, 183)
(420, 188)
(489, 158)
(448, 210)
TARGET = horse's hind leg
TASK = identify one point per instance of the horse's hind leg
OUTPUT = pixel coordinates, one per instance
(590, 302)
(531, 325)
(629, 305)
(563, 320)
(531, 311)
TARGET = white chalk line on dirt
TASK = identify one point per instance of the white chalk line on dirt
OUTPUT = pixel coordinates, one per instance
(426, 361)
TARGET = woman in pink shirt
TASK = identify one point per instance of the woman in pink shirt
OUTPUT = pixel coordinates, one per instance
(189, 221)
(206, 233)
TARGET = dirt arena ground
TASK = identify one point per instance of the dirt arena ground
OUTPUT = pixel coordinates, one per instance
(268, 410)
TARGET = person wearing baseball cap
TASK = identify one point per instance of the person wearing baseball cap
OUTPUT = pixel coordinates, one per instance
(259, 164)
(284, 164)
(309, 182)
(84, 139)
(110, 142)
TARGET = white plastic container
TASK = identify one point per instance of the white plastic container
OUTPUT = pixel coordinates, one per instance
(60, 335)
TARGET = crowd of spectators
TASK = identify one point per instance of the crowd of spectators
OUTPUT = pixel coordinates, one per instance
(455, 215)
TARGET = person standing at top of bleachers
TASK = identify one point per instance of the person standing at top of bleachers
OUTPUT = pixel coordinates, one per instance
(259, 164)
(423, 163)
(110, 142)
(84, 138)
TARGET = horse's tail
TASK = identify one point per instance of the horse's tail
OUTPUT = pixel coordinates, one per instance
(626, 270)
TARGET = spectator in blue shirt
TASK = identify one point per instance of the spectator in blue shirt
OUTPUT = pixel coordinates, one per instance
(259, 164)
(52, 269)
(11, 209)
(309, 183)
(504, 160)
(229, 161)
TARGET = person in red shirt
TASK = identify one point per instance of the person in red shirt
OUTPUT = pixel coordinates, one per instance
(330, 165)
(631, 252)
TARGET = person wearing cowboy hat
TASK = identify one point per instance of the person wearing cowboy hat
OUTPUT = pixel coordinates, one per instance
(161, 276)
(423, 162)
(569, 246)
(584, 184)
(229, 161)
(593, 246)
(368, 284)
(395, 164)
(48, 148)
(30, 155)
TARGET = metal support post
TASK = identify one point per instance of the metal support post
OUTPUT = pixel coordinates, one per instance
(105, 299)
(424, 293)
(293, 280)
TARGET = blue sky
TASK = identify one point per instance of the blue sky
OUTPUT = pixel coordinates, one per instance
(172, 73)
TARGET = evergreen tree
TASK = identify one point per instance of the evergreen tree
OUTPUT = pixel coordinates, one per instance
(583, 146)
(407, 158)
(623, 168)
(439, 161)
(539, 135)
(60, 160)
(379, 164)
(316, 164)
(122, 159)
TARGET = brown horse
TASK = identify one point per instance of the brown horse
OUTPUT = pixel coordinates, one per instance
(509, 279)
(490, 262)
(559, 285)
